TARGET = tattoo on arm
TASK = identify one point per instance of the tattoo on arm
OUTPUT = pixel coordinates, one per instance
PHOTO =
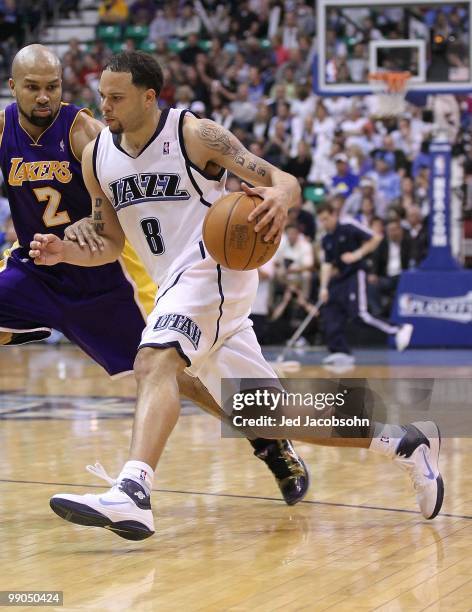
(219, 139)
(97, 216)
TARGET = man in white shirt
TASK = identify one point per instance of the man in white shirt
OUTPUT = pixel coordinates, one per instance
(294, 259)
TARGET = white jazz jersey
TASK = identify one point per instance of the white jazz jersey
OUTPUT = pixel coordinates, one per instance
(201, 309)
(160, 198)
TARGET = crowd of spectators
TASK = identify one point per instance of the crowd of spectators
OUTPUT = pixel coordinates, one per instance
(248, 65)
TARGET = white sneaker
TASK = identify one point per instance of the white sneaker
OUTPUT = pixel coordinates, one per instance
(339, 359)
(125, 509)
(403, 336)
(418, 454)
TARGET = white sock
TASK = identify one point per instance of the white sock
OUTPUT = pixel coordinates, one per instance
(139, 472)
(386, 439)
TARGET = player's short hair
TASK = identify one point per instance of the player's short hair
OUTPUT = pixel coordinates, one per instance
(144, 69)
(325, 207)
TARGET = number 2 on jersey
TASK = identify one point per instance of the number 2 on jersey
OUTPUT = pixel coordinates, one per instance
(152, 231)
(51, 217)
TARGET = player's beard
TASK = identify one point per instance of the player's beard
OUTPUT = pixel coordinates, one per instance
(38, 121)
(118, 129)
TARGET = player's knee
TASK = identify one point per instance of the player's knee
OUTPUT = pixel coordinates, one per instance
(157, 363)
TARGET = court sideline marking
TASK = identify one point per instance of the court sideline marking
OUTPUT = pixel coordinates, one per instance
(236, 496)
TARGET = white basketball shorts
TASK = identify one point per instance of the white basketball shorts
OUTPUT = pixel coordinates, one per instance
(203, 313)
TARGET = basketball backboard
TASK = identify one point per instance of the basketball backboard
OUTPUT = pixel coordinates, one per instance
(429, 38)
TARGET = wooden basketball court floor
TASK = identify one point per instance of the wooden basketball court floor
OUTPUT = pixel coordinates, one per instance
(224, 540)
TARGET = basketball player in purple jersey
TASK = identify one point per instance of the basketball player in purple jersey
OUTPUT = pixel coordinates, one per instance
(41, 145)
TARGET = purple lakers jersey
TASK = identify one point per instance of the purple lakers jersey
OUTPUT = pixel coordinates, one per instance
(42, 177)
(46, 193)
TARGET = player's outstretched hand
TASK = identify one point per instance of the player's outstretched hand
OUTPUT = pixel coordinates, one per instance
(46, 249)
(275, 206)
(83, 232)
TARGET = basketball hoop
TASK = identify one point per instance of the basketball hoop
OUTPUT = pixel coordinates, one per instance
(390, 90)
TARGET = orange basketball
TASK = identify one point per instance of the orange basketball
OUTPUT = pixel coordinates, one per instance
(230, 238)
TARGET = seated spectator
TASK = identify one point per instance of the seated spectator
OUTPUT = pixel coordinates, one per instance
(189, 53)
(183, 97)
(243, 111)
(368, 140)
(367, 212)
(406, 139)
(366, 189)
(75, 50)
(100, 52)
(280, 53)
(418, 234)
(260, 127)
(277, 94)
(422, 189)
(391, 257)
(344, 181)
(281, 116)
(386, 179)
(304, 220)
(221, 112)
(256, 85)
(188, 22)
(200, 89)
(359, 162)
(294, 260)
(289, 81)
(357, 64)
(167, 94)
(290, 31)
(217, 56)
(242, 68)
(304, 103)
(113, 12)
(164, 24)
(323, 128)
(355, 122)
(277, 150)
(255, 55)
(300, 165)
(407, 197)
(90, 73)
(402, 162)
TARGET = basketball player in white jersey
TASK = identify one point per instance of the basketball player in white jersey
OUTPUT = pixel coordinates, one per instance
(153, 175)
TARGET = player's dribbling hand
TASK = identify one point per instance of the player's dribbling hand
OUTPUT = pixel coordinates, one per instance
(275, 206)
(46, 249)
(83, 232)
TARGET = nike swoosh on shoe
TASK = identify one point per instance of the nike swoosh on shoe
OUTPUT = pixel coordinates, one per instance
(430, 475)
(107, 503)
